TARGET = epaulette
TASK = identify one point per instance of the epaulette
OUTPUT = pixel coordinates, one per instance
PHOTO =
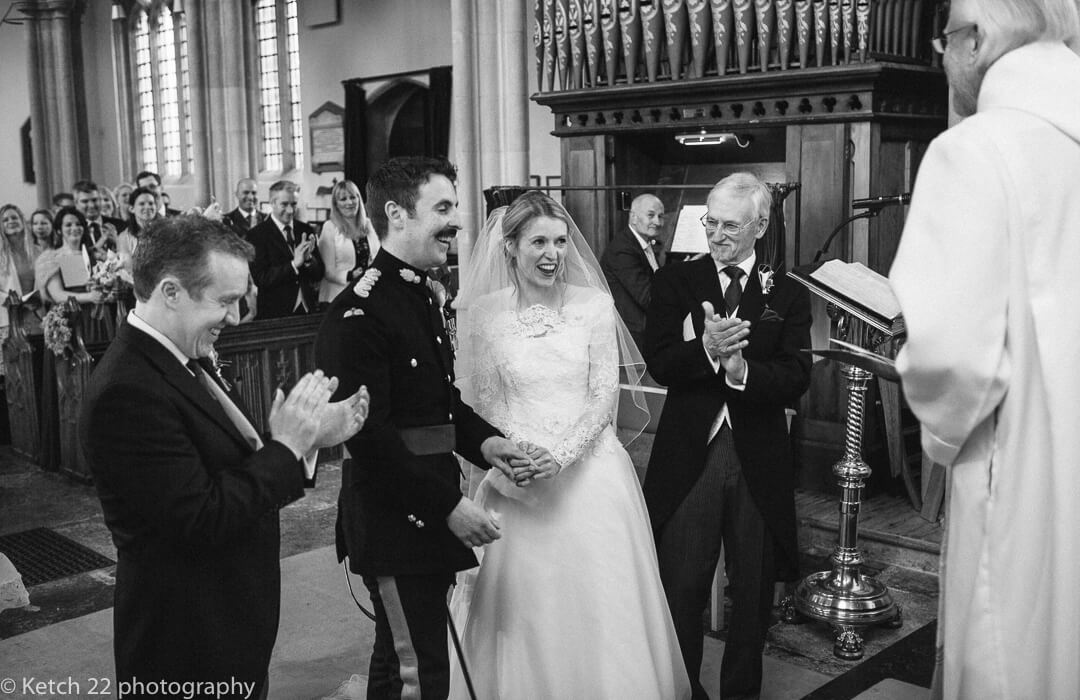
(366, 282)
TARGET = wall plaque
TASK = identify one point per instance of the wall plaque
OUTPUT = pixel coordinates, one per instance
(327, 125)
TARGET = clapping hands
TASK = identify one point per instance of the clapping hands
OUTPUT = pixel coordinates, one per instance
(306, 419)
(725, 339)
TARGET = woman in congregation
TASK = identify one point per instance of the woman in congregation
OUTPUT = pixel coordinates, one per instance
(568, 602)
(122, 195)
(43, 237)
(19, 244)
(108, 202)
(144, 209)
(347, 242)
(69, 224)
(14, 226)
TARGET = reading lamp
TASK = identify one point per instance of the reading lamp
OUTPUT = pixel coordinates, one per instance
(710, 138)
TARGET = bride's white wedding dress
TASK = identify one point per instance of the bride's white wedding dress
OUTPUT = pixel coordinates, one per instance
(568, 603)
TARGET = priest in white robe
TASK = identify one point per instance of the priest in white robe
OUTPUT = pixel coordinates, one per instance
(988, 276)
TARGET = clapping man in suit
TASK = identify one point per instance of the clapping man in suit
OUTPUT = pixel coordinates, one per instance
(246, 216)
(101, 231)
(287, 265)
(190, 491)
(631, 259)
(726, 336)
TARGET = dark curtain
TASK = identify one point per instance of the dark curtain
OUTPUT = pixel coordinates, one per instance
(356, 134)
(437, 119)
(770, 247)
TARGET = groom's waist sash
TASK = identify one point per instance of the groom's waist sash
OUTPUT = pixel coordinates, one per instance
(430, 439)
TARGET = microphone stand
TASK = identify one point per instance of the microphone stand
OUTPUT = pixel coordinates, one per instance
(870, 213)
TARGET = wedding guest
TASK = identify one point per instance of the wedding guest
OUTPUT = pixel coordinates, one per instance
(246, 215)
(43, 236)
(402, 520)
(986, 277)
(101, 231)
(541, 347)
(108, 204)
(10, 217)
(122, 193)
(20, 243)
(630, 261)
(149, 180)
(347, 242)
(721, 471)
(70, 225)
(287, 265)
(61, 200)
(191, 497)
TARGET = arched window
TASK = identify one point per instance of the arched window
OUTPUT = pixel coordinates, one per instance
(277, 37)
(163, 101)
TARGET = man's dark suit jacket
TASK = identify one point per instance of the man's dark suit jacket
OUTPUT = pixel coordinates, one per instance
(779, 372)
(88, 240)
(193, 510)
(393, 504)
(236, 220)
(630, 276)
(273, 272)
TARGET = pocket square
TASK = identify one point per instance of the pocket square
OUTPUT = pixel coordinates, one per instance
(769, 315)
(688, 328)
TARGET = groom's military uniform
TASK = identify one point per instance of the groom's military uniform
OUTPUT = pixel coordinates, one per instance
(401, 480)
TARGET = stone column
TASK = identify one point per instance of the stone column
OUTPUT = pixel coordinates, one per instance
(58, 158)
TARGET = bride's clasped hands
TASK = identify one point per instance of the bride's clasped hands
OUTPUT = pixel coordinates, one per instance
(542, 465)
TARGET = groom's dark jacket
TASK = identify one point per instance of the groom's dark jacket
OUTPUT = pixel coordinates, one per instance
(193, 511)
(386, 332)
(779, 372)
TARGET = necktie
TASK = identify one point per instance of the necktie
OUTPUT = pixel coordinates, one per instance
(734, 290)
(95, 233)
(251, 221)
(289, 237)
(231, 410)
(651, 256)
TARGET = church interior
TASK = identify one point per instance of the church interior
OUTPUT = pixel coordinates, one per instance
(592, 101)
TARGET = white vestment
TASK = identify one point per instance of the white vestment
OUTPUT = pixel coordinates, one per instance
(988, 276)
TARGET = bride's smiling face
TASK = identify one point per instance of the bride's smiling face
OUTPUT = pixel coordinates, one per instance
(539, 252)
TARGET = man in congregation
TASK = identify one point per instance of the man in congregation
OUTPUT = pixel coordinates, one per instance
(986, 276)
(246, 215)
(152, 181)
(726, 337)
(101, 231)
(190, 491)
(287, 267)
(631, 259)
(402, 520)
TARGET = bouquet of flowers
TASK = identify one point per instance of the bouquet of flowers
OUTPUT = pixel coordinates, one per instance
(107, 278)
(57, 330)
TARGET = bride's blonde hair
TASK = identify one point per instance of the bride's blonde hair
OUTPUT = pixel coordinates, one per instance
(530, 206)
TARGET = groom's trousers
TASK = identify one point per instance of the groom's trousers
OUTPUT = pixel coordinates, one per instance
(410, 657)
(719, 510)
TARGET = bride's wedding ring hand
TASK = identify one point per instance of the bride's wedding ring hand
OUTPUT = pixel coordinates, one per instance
(473, 525)
(504, 455)
(543, 465)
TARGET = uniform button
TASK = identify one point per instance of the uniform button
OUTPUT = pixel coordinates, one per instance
(412, 362)
(419, 523)
(448, 377)
(438, 339)
(430, 302)
(451, 416)
(412, 518)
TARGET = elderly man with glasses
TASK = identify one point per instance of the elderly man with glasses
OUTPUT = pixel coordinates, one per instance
(725, 335)
(986, 277)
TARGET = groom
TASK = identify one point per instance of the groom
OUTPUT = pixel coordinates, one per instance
(726, 337)
(402, 520)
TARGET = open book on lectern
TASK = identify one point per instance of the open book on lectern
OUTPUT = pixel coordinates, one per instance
(856, 289)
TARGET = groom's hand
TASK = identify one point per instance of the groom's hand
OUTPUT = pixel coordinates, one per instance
(543, 466)
(504, 455)
(472, 524)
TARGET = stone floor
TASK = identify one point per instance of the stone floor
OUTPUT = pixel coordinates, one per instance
(66, 632)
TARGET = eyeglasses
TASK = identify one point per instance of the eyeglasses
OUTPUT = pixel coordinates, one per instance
(941, 41)
(729, 229)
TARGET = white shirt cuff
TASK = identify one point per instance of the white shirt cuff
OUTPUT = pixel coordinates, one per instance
(712, 360)
(738, 386)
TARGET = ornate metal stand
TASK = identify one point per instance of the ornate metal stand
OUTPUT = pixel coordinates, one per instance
(843, 596)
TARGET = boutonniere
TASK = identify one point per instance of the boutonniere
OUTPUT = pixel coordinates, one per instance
(366, 282)
(765, 277)
(408, 275)
(218, 364)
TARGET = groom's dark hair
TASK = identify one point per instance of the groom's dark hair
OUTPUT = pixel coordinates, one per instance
(398, 180)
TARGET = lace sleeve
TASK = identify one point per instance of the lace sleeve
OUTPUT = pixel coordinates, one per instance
(603, 389)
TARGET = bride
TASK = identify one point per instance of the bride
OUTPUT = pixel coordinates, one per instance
(568, 603)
